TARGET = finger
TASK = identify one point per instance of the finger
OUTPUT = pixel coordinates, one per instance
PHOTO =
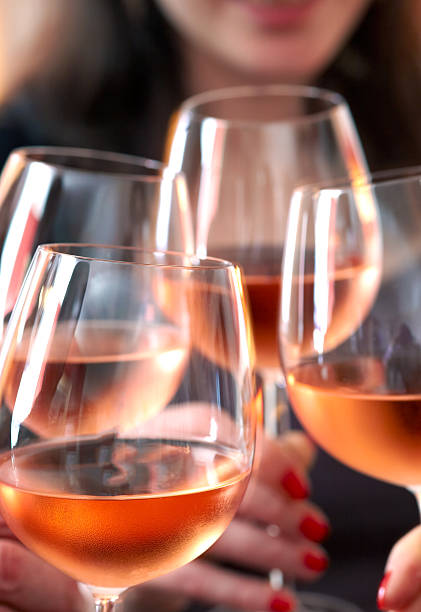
(146, 597)
(4, 530)
(400, 588)
(284, 462)
(30, 585)
(299, 445)
(209, 583)
(414, 607)
(249, 546)
(295, 519)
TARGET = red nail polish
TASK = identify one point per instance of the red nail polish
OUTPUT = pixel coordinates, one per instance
(314, 529)
(381, 593)
(280, 604)
(315, 562)
(294, 486)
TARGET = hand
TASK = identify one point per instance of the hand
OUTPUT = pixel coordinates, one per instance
(28, 584)
(400, 588)
(276, 496)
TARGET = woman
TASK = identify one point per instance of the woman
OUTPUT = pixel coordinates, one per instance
(121, 76)
(126, 62)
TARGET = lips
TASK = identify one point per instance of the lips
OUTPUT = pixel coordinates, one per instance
(277, 2)
(277, 13)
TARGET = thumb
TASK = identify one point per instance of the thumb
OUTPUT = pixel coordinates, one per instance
(400, 588)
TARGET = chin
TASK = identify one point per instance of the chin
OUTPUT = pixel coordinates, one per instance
(288, 61)
(271, 72)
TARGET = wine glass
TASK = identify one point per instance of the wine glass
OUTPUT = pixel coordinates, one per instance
(358, 394)
(132, 422)
(56, 194)
(243, 150)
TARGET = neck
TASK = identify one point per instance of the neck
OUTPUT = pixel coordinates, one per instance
(203, 72)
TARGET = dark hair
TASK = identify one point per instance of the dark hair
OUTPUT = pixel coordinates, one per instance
(379, 73)
(138, 75)
(132, 72)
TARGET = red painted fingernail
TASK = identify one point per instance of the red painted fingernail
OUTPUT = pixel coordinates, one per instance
(294, 486)
(315, 562)
(381, 593)
(314, 529)
(280, 604)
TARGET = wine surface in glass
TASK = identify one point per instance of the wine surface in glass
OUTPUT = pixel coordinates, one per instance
(124, 511)
(107, 373)
(330, 306)
(264, 295)
(346, 408)
(262, 277)
(351, 287)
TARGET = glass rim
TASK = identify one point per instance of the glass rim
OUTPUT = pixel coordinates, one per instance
(202, 263)
(191, 105)
(34, 155)
(377, 179)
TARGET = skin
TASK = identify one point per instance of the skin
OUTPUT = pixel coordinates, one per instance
(223, 44)
(401, 588)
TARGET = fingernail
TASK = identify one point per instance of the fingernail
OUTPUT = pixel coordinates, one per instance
(280, 604)
(381, 593)
(294, 486)
(314, 529)
(315, 562)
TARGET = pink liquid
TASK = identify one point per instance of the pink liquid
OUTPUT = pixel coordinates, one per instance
(147, 508)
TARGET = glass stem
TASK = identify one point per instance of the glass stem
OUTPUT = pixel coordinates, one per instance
(275, 423)
(417, 493)
(104, 598)
(104, 605)
(275, 405)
